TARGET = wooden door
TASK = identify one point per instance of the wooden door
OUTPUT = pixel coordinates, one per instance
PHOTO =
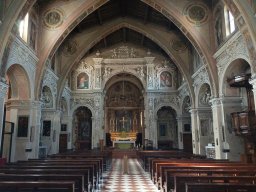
(187, 142)
(63, 143)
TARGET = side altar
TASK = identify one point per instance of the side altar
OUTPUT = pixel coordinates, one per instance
(123, 140)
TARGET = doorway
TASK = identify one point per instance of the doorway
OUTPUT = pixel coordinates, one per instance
(63, 142)
(187, 143)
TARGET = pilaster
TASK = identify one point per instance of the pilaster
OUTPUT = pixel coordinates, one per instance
(150, 72)
(195, 131)
(97, 73)
(3, 91)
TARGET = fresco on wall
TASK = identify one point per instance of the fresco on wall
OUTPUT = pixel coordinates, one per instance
(165, 80)
(82, 81)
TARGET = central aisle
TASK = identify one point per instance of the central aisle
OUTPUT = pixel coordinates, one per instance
(137, 180)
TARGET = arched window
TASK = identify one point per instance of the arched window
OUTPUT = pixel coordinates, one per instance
(229, 21)
(23, 28)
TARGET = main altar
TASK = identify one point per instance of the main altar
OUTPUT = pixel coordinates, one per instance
(124, 108)
(123, 140)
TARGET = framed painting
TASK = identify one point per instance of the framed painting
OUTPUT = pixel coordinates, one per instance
(23, 126)
(82, 81)
(165, 79)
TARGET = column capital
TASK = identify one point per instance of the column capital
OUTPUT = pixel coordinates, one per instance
(193, 110)
(216, 102)
(3, 89)
(97, 61)
(149, 60)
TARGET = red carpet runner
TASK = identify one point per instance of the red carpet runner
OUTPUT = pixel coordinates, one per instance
(135, 181)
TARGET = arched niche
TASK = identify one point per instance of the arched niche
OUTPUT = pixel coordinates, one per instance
(204, 95)
(235, 68)
(167, 128)
(82, 128)
(47, 97)
(18, 82)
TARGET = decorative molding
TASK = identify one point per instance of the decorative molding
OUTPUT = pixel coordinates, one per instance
(53, 18)
(200, 77)
(50, 80)
(196, 13)
(3, 89)
(216, 102)
(178, 45)
(123, 52)
(69, 47)
(22, 54)
(234, 48)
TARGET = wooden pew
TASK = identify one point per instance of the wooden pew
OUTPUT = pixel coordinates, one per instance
(144, 156)
(168, 182)
(220, 187)
(158, 171)
(93, 166)
(40, 186)
(77, 178)
(105, 155)
(92, 176)
(181, 180)
(85, 172)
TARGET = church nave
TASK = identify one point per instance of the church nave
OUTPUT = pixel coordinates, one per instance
(136, 180)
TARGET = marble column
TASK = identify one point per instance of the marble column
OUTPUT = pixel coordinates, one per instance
(195, 131)
(3, 91)
(217, 114)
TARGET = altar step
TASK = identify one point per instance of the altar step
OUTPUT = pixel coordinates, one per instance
(120, 153)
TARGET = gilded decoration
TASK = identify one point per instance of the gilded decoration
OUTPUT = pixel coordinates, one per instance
(196, 13)
(53, 18)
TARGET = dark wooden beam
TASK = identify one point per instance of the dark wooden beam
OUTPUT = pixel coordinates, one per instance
(99, 16)
(124, 35)
(142, 39)
(147, 13)
(105, 42)
(123, 8)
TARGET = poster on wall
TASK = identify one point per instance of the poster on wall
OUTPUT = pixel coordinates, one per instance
(46, 128)
(23, 126)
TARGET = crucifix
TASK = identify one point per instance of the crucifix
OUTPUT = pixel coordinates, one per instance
(123, 121)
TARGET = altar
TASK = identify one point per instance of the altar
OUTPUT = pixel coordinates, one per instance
(123, 140)
(123, 144)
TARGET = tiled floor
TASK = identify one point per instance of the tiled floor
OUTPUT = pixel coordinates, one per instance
(135, 180)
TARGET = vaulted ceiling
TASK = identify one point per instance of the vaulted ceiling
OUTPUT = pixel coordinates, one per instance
(132, 9)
